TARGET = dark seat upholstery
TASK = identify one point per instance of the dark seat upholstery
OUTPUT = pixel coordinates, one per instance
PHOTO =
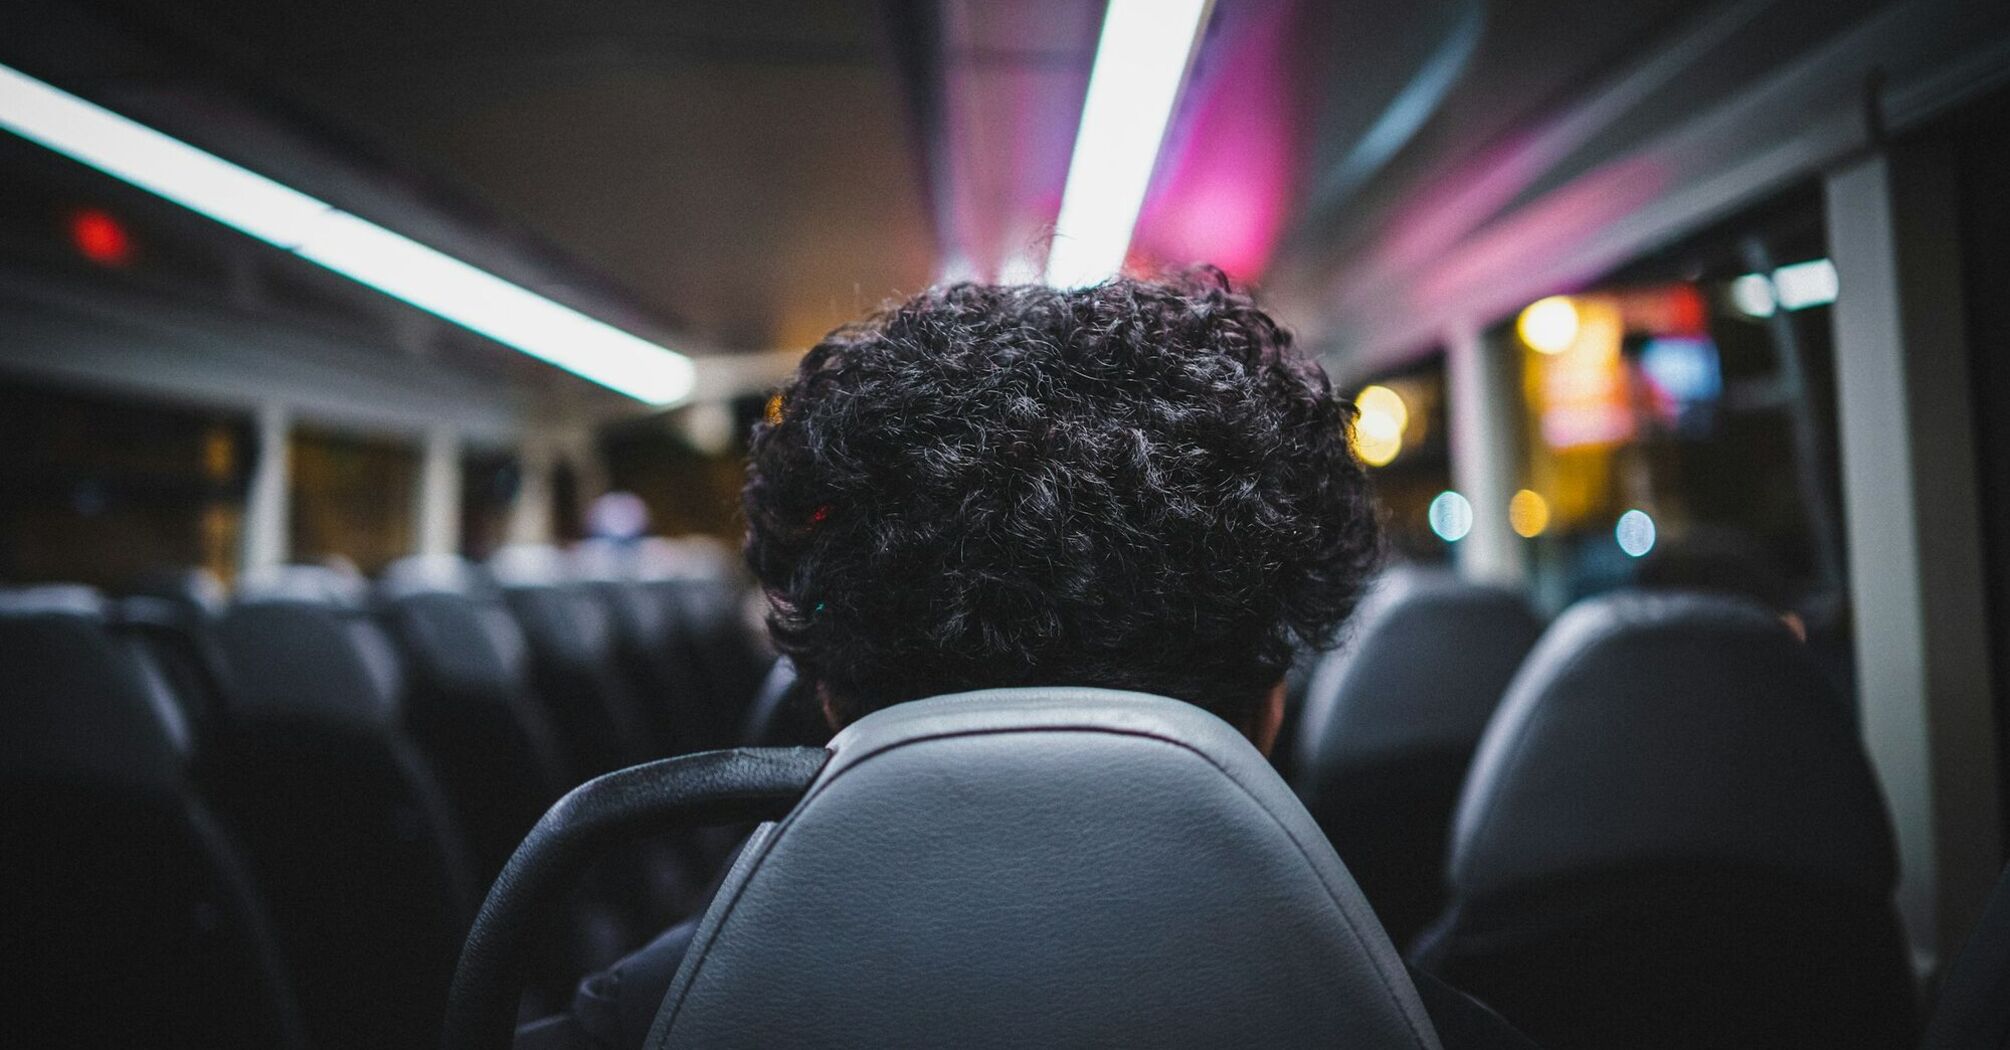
(469, 705)
(672, 695)
(1042, 867)
(1973, 1011)
(601, 722)
(346, 821)
(729, 665)
(785, 712)
(130, 917)
(1389, 725)
(575, 662)
(1671, 837)
(471, 711)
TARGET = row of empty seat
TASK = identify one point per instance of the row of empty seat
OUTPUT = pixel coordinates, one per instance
(340, 768)
(1651, 825)
(267, 821)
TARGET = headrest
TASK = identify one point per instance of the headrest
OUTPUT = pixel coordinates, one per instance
(73, 598)
(460, 642)
(1669, 728)
(195, 590)
(604, 559)
(432, 574)
(567, 622)
(1042, 867)
(691, 557)
(311, 662)
(318, 584)
(530, 564)
(1423, 668)
(77, 702)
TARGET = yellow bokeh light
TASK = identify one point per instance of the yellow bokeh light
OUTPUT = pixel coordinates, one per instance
(1378, 429)
(1549, 325)
(1382, 400)
(1528, 513)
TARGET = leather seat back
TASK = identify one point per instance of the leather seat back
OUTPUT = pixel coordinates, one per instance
(1389, 725)
(602, 722)
(80, 704)
(345, 817)
(785, 712)
(1672, 837)
(131, 920)
(1042, 867)
(469, 706)
(575, 661)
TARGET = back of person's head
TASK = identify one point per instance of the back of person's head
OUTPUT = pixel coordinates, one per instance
(1138, 485)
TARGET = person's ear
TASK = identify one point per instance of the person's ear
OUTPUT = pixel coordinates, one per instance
(829, 708)
(1267, 720)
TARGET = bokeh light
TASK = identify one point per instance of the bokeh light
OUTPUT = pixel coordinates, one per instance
(1528, 513)
(1752, 294)
(101, 238)
(1549, 325)
(1451, 516)
(1378, 430)
(1635, 533)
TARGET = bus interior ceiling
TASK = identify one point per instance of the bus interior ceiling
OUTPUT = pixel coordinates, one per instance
(404, 356)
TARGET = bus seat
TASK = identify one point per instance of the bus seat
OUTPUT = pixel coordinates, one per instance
(471, 711)
(346, 821)
(1042, 867)
(675, 700)
(180, 642)
(1389, 726)
(785, 712)
(304, 583)
(576, 674)
(1973, 1011)
(574, 661)
(1671, 837)
(469, 706)
(194, 589)
(131, 919)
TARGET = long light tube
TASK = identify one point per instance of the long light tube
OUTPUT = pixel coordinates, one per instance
(353, 247)
(1141, 58)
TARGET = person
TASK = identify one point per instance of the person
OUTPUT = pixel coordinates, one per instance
(1139, 485)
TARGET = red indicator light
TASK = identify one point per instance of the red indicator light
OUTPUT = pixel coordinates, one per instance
(101, 238)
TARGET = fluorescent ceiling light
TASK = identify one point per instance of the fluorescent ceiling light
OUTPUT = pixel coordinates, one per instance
(1140, 60)
(356, 248)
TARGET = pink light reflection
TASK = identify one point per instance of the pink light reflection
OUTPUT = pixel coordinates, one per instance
(1230, 167)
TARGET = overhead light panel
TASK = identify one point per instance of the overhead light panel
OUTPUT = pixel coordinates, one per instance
(351, 246)
(1141, 59)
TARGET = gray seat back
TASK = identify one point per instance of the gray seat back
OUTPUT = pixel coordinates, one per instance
(1653, 727)
(1426, 661)
(1389, 725)
(1042, 867)
(1671, 838)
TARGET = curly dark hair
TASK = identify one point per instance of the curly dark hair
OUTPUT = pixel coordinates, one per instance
(1138, 485)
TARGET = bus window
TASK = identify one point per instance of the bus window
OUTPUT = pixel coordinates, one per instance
(102, 490)
(1401, 433)
(1683, 407)
(352, 498)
